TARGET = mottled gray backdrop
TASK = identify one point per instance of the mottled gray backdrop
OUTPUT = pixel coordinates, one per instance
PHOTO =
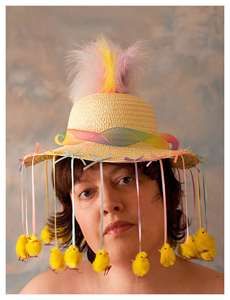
(185, 84)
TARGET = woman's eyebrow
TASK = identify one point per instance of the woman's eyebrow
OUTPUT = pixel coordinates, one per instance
(119, 168)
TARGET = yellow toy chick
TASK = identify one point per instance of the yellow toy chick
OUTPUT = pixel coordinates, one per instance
(101, 262)
(21, 247)
(46, 235)
(141, 264)
(33, 246)
(56, 259)
(72, 257)
(168, 257)
(188, 248)
(205, 244)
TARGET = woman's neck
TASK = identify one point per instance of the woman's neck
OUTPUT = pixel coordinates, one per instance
(120, 278)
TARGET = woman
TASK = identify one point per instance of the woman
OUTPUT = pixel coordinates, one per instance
(114, 175)
(121, 232)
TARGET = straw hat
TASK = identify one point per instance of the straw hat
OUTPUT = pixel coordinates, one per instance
(112, 124)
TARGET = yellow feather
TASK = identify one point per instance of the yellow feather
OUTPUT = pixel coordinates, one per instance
(168, 257)
(33, 246)
(188, 248)
(46, 235)
(141, 264)
(101, 262)
(56, 259)
(205, 244)
(21, 247)
(109, 60)
(72, 257)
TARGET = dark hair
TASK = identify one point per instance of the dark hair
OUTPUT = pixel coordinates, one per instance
(176, 223)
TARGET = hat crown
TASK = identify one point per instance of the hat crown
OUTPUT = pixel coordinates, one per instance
(98, 112)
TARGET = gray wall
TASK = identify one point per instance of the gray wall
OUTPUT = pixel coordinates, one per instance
(185, 85)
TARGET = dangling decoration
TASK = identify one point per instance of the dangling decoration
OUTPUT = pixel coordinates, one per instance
(72, 256)
(34, 245)
(168, 257)
(56, 259)
(46, 236)
(22, 239)
(140, 264)
(204, 242)
(101, 262)
(188, 248)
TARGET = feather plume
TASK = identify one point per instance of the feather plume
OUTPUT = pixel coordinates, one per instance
(103, 67)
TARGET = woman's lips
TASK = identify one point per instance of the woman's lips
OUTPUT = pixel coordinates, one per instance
(117, 228)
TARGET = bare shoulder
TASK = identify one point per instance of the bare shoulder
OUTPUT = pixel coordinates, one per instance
(43, 283)
(204, 279)
(50, 282)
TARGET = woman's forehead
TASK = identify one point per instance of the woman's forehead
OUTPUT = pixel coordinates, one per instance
(109, 169)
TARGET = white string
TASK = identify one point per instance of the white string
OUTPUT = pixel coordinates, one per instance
(33, 199)
(22, 196)
(185, 196)
(95, 162)
(138, 208)
(73, 202)
(55, 203)
(101, 206)
(164, 201)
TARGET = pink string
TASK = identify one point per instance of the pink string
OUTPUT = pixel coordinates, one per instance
(55, 203)
(138, 207)
(22, 196)
(185, 196)
(73, 202)
(33, 199)
(164, 201)
(194, 194)
(101, 206)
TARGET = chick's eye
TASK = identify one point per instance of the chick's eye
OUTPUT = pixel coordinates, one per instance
(126, 180)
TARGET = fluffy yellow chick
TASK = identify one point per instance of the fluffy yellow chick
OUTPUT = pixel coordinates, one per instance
(56, 259)
(33, 246)
(141, 264)
(21, 247)
(188, 248)
(168, 257)
(46, 235)
(208, 255)
(72, 257)
(204, 242)
(101, 262)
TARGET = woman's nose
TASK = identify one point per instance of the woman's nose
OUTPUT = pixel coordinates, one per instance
(112, 201)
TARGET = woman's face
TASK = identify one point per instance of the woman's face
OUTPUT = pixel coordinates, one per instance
(120, 204)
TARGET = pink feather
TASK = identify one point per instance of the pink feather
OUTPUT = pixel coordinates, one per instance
(86, 71)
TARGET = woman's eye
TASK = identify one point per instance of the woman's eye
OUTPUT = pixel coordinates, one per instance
(126, 180)
(85, 194)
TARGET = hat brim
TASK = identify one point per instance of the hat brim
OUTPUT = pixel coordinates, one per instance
(139, 152)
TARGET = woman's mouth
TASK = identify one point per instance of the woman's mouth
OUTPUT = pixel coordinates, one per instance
(117, 228)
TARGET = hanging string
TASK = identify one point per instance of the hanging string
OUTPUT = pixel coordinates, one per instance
(164, 201)
(25, 196)
(95, 162)
(185, 196)
(194, 193)
(205, 199)
(138, 207)
(198, 197)
(46, 191)
(101, 206)
(33, 199)
(22, 195)
(73, 202)
(55, 203)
